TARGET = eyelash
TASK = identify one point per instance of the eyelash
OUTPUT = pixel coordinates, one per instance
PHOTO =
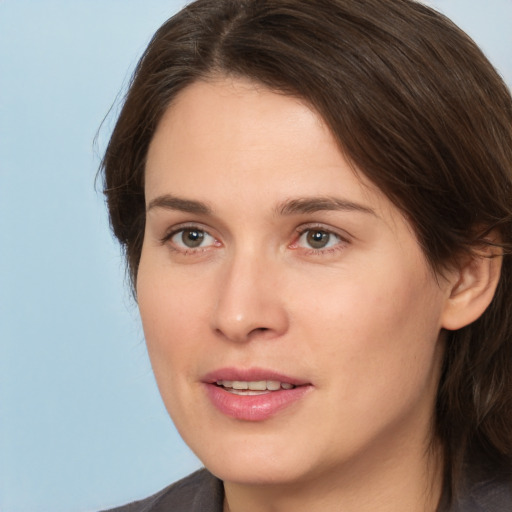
(180, 229)
(341, 243)
(342, 240)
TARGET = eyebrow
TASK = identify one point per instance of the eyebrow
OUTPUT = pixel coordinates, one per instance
(296, 206)
(170, 202)
(317, 204)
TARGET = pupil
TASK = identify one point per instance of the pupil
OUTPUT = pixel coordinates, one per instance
(192, 237)
(318, 239)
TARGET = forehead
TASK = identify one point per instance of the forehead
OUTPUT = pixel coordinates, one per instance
(238, 113)
(229, 131)
(239, 122)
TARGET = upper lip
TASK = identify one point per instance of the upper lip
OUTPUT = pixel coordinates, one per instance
(250, 375)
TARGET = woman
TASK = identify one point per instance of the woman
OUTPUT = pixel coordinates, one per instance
(314, 197)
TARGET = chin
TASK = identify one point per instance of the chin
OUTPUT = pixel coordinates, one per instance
(256, 473)
(257, 463)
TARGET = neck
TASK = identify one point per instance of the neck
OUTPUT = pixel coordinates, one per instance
(402, 481)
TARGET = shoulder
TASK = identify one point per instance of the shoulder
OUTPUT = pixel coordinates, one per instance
(486, 491)
(198, 492)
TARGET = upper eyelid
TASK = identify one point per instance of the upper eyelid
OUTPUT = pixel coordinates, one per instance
(207, 243)
(170, 232)
(176, 247)
(298, 230)
(343, 234)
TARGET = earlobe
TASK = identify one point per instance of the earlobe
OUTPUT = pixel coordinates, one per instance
(473, 288)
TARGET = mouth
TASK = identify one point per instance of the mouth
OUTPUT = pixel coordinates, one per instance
(253, 394)
(254, 387)
(259, 380)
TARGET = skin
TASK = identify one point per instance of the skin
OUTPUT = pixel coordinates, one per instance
(360, 319)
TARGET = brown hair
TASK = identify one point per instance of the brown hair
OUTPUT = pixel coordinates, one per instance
(413, 103)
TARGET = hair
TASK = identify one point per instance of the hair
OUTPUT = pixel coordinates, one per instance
(414, 105)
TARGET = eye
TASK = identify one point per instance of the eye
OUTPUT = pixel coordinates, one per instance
(191, 238)
(318, 239)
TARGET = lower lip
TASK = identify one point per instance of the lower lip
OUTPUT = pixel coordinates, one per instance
(254, 407)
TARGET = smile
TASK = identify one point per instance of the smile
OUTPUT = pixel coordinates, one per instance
(253, 388)
(253, 394)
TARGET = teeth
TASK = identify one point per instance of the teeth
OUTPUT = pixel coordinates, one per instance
(259, 385)
(273, 385)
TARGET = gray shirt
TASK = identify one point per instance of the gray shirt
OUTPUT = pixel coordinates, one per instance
(202, 492)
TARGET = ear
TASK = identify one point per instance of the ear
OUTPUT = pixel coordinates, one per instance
(472, 288)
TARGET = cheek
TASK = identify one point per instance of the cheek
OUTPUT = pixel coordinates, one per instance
(172, 321)
(169, 300)
(171, 317)
(378, 336)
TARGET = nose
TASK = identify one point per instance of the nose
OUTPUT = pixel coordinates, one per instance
(249, 302)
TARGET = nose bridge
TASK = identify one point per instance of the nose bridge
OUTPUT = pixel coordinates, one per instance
(248, 302)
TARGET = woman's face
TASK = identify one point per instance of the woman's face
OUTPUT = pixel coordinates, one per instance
(291, 318)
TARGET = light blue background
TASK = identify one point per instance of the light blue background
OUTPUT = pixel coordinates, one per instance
(81, 422)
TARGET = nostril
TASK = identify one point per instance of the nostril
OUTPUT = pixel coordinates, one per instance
(255, 317)
(258, 331)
